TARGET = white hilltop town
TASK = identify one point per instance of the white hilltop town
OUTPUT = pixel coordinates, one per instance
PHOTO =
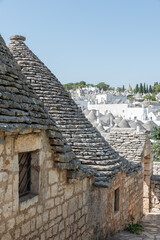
(114, 109)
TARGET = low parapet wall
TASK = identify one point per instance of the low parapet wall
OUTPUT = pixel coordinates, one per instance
(155, 193)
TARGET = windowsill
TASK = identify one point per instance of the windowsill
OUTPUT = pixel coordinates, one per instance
(116, 213)
(28, 200)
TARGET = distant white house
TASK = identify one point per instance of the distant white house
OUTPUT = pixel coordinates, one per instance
(110, 98)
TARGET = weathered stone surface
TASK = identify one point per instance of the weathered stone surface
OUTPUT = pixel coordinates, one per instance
(55, 208)
(132, 145)
(87, 143)
(21, 109)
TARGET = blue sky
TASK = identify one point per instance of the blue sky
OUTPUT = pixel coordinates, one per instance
(114, 41)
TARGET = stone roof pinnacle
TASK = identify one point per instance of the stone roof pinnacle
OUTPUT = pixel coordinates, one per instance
(18, 38)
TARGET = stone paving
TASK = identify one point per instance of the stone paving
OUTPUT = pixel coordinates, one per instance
(151, 224)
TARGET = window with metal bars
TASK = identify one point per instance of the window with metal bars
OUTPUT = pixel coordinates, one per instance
(116, 200)
(24, 173)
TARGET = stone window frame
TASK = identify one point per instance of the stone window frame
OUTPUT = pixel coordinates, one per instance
(24, 160)
(116, 200)
(35, 177)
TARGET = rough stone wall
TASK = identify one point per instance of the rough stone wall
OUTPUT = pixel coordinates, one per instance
(156, 168)
(101, 215)
(155, 194)
(135, 146)
(61, 210)
(57, 210)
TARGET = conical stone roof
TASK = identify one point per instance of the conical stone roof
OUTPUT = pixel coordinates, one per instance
(21, 109)
(87, 143)
(110, 115)
(149, 125)
(92, 116)
(118, 119)
(100, 128)
(123, 124)
(135, 124)
(86, 112)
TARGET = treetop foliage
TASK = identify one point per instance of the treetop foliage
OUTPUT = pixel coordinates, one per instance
(156, 151)
(82, 84)
(155, 133)
(140, 88)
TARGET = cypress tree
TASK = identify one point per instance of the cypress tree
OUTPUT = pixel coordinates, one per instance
(144, 88)
(141, 88)
(150, 89)
(147, 89)
(136, 89)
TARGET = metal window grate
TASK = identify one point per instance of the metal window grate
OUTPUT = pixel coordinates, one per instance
(24, 173)
(116, 200)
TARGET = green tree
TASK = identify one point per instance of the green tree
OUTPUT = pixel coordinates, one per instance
(123, 88)
(147, 89)
(155, 133)
(103, 86)
(141, 88)
(136, 90)
(119, 89)
(69, 86)
(82, 83)
(150, 97)
(156, 88)
(155, 83)
(156, 151)
(130, 97)
(144, 88)
(150, 89)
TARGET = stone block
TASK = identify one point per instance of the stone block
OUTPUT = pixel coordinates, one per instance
(53, 214)
(49, 233)
(57, 201)
(29, 202)
(1, 148)
(2, 227)
(64, 209)
(54, 190)
(61, 226)
(69, 191)
(55, 229)
(43, 236)
(53, 176)
(8, 193)
(62, 235)
(28, 143)
(72, 206)
(30, 213)
(39, 221)
(7, 210)
(25, 229)
(10, 224)
(7, 236)
(33, 224)
(19, 219)
(9, 145)
(17, 233)
(45, 216)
